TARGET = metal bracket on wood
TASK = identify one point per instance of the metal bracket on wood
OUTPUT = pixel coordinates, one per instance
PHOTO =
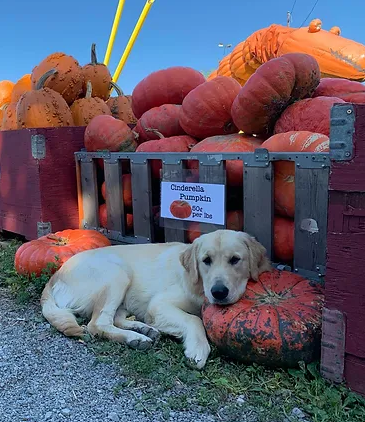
(342, 130)
(43, 228)
(333, 345)
(38, 144)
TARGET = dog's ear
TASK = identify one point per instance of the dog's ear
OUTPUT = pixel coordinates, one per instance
(189, 261)
(258, 260)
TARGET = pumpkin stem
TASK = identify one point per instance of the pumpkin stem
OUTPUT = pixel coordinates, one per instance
(118, 90)
(43, 78)
(155, 131)
(89, 89)
(4, 107)
(94, 60)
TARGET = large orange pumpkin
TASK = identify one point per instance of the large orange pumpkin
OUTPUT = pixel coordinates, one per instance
(276, 84)
(284, 171)
(121, 106)
(6, 88)
(228, 143)
(85, 109)
(99, 76)
(68, 81)
(103, 218)
(43, 107)
(349, 91)
(24, 84)
(32, 257)
(127, 190)
(276, 323)
(206, 110)
(9, 117)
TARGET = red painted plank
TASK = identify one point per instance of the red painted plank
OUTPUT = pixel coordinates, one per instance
(355, 374)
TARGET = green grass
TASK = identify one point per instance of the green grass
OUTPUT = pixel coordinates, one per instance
(161, 381)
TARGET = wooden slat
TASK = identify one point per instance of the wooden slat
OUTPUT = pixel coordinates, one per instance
(258, 204)
(142, 200)
(89, 193)
(311, 203)
(114, 196)
(175, 232)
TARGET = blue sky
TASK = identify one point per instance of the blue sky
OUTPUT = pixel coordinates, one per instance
(176, 32)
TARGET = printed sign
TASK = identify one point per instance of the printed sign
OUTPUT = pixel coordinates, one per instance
(200, 202)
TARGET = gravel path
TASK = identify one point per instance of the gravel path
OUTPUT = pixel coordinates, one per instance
(48, 377)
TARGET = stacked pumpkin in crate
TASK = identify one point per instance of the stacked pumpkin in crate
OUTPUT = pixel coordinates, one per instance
(59, 92)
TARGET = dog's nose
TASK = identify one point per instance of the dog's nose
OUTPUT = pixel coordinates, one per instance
(219, 291)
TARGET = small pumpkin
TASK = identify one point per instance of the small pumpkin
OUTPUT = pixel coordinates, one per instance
(284, 171)
(311, 114)
(127, 190)
(34, 256)
(228, 143)
(68, 81)
(165, 119)
(24, 84)
(6, 89)
(276, 323)
(349, 91)
(9, 121)
(121, 106)
(336, 30)
(268, 92)
(180, 209)
(85, 109)
(315, 26)
(103, 218)
(105, 133)
(182, 143)
(206, 110)
(166, 86)
(99, 76)
(43, 107)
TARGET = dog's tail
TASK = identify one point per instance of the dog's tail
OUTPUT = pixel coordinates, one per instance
(62, 319)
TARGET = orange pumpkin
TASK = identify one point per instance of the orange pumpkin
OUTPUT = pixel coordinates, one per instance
(24, 84)
(315, 25)
(34, 256)
(127, 190)
(180, 209)
(9, 121)
(68, 81)
(121, 106)
(6, 88)
(99, 76)
(85, 109)
(284, 171)
(276, 323)
(103, 218)
(43, 107)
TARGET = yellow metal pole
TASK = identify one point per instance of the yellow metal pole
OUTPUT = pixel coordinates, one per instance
(132, 39)
(113, 31)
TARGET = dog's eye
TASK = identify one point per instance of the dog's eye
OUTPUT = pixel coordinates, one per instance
(207, 260)
(234, 260)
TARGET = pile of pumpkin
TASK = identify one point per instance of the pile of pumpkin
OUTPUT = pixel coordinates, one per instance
(59, 92)
(284, 107)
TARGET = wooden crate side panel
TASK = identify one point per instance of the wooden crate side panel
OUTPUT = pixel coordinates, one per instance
(20, 196)
(58, 181)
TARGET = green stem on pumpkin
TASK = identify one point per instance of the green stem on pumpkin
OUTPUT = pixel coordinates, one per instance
(89, 89)
(43, 78)
(117, 88)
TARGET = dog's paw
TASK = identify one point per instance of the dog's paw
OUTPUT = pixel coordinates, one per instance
(141, 344)
(150, 332)
(197, 354)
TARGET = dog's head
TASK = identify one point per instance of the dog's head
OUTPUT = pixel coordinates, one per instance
(220, 263)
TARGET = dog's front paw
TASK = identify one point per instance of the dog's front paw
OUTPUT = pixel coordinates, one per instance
(150, 332)
(197, 353)
(141, 344)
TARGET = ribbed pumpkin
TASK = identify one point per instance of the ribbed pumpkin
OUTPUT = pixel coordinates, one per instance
(311, 114)
(99, 76)
(24, 84)
(127, 190)
(277, 322)
(166, 86)
(284, 171)
(85, 109)
(349, 91)
(43, 107)
(121, 106)
(224, 68)
(206, 110)
(68, 81)
(6, 89)
(228, 143)
(165, 119)
(9, 121)
(104, 133)
(32, 257)
(182, 143)
(276, 84)
(103, 218)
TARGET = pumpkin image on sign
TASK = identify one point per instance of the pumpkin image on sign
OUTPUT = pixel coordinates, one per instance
(276, 323)
(180, 209)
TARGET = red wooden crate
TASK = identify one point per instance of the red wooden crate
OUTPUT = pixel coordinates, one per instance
(343, 341)
(38, 188)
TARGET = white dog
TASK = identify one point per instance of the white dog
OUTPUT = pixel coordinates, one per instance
(162, 285)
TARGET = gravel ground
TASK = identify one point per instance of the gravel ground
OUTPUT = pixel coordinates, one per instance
(48, 377)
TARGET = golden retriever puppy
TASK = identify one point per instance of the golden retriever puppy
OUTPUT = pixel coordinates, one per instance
(162, 285)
